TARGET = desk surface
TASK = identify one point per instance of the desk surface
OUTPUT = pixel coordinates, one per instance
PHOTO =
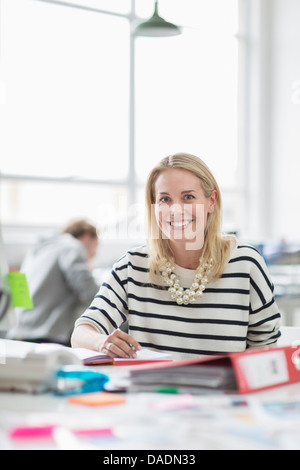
(265, 420)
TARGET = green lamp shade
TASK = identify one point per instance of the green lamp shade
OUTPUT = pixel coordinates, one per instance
(156, 26)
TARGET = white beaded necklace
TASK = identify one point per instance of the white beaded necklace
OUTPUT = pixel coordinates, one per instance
(178, 293)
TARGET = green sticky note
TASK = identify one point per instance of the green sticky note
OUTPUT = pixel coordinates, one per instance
(19, 290)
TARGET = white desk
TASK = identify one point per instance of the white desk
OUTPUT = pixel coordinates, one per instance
(143, 423)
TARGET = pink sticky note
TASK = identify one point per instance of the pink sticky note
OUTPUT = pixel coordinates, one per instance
(31, 432)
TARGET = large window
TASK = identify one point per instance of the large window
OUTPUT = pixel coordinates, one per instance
(87, 108)
(186, 88)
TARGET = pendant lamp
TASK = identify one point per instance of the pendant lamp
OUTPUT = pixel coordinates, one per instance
(156, 26)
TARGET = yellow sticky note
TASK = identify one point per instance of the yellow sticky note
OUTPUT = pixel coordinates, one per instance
(19, 290)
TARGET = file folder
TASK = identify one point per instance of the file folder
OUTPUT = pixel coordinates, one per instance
(241, 372)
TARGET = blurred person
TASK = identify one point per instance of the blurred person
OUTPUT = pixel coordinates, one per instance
(60, 282)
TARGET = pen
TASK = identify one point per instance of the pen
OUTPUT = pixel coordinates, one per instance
(125, 327)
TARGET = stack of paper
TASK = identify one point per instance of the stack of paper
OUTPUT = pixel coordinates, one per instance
(186, 377)
(243, 372)
(29, 367)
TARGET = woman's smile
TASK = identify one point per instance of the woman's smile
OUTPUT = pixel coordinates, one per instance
(179, 225)
(180, 206)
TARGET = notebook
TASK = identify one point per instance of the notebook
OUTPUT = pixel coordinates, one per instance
(144, 356)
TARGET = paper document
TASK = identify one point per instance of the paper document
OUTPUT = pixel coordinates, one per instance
(32, 367)
(90, 357)
(188, 378)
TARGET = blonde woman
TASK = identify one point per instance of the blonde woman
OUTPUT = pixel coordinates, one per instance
(190, 291)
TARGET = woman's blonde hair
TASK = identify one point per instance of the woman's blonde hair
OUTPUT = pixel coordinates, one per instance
(215, 245)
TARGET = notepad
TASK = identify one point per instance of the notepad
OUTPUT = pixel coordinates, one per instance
(144, 356)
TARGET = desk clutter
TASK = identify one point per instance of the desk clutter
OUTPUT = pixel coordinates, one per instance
(201, 403)
(154, 422)
(38, 368)
(248, 371)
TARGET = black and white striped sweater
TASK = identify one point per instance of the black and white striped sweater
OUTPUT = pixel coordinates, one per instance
(236, 312)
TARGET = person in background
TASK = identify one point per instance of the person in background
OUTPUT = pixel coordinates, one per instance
(191, 291)
(60, 282)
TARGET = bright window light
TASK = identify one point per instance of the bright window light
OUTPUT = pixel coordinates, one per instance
(65, 81)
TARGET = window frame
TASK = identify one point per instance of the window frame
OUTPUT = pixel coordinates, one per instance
(130, 180)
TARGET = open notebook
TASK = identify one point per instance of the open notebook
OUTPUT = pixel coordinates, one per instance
(144, 356)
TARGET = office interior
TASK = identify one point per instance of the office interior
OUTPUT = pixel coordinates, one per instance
(88, 105)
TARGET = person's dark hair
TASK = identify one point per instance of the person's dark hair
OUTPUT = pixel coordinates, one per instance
(80, 227)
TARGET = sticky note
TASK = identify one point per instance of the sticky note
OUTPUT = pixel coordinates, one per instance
(19, 290)
(97, 399)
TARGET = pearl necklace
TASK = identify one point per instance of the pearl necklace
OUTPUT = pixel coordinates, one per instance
(185, 296)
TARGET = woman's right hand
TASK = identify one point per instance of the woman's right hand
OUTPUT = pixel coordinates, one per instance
(120, 344)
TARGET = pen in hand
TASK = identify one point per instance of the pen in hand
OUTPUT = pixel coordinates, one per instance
(120, 343)
(125, 327)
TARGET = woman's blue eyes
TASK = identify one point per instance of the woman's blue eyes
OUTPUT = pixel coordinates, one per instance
(186, 197)
(164, 199)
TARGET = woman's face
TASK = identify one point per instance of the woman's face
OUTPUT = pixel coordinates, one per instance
(181, 207)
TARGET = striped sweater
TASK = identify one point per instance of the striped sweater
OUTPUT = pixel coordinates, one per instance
(236, 312)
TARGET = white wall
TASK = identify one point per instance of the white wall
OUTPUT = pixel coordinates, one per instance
(270, 117)
(286, 117)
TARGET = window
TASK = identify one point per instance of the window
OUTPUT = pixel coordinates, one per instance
(71, 143)
(66, 72)
(186, 89)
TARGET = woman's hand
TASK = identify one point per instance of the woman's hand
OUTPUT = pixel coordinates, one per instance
(120, 344)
